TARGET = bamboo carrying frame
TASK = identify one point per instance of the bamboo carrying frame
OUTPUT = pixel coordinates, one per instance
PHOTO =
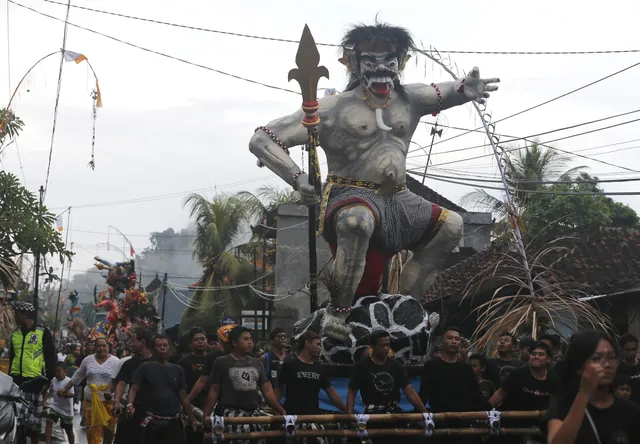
(220, 434)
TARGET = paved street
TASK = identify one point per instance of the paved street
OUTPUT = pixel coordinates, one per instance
(61, 437)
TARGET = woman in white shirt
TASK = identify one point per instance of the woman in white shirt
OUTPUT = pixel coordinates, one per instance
(98, 369)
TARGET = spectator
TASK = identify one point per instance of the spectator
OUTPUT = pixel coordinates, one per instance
(629, 365)
(479, 365)
(203, 380)
(164, 389)
(622, 387)
(504, 364)
(98, 369)
(586, 410)
(60, 408)
(31, 355)
(274, 358)
(128, 431)
(525, 345)
(236, 380)
(193, 365)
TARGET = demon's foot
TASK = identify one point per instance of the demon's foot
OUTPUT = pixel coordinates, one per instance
(335, 326)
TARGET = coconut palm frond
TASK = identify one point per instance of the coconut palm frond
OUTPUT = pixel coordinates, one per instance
(480, 199)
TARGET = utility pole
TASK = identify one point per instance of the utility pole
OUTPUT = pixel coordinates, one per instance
(66, 242)
(36, 278)
(164, 299)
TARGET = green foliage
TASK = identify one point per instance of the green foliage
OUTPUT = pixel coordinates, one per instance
(10, 126)
(546, 216)
(26, 226)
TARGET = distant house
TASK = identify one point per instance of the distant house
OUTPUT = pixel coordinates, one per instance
(603, 267)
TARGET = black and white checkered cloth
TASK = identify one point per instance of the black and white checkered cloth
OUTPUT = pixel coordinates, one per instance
(401, 220)
(31, 417)
(243, 428)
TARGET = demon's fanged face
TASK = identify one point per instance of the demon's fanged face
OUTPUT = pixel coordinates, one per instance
(379, 71)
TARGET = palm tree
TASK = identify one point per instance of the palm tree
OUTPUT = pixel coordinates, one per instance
(10, 125)
(219, 224)
(263, 204)
(530, 166)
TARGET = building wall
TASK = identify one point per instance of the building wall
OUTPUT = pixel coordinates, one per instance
(292, 265)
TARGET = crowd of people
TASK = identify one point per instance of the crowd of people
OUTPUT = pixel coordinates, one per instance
(589, 389)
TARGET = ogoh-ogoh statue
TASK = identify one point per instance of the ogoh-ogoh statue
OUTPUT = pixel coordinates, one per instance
(366, 213)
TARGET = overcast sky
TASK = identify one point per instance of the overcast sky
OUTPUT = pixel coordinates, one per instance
(170, 128)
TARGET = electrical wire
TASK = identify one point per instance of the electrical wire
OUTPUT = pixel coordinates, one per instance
(552, 193)
(544, 133)
(516, 182)
(554, 148)
(546, 102)
(152, 51)
(275, 39)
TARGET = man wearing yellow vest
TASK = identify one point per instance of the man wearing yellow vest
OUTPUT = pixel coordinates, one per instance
(32, 353)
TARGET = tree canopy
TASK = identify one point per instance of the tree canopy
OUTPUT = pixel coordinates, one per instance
(26, 227)
(544, 215)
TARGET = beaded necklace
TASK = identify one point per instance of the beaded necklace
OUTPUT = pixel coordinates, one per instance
(371, 105)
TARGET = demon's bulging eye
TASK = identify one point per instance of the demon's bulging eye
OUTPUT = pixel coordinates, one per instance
(368, 64)
(392, 64)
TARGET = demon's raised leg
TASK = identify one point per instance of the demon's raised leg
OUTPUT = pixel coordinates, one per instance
(354, 227)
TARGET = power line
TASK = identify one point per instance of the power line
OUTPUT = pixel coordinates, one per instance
(516, 182)
(541, 104)
(275, 39)
(164, 196)
(256, 82)
(562, 193)
(554, 148)
(515, 139)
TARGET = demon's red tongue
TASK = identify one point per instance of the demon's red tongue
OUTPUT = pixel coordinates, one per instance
(381, 89)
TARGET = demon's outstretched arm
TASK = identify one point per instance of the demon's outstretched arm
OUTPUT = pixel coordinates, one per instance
(438, 97)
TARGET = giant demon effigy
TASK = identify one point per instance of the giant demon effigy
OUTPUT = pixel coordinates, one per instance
(125, 304)
(365, 211)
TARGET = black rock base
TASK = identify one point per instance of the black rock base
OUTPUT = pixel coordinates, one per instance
(402, 316)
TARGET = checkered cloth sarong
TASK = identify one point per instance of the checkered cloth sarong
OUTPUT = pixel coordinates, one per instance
(31, 417)
(231, 412)
(401, 220)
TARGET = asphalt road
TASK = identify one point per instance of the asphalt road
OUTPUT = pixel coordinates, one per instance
(60, 437)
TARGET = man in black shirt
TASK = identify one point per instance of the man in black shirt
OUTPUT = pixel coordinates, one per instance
(164, 389)
(379, 379)
(528, 388)
(193, 365)
(301, 377)
(274, 358)
(629, 365)
(128, 430)
(500, 367)
(201, 385)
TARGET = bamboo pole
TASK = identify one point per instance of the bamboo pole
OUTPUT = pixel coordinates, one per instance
(467, 431)
(382, 418)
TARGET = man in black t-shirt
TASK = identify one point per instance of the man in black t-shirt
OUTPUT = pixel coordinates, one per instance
(201, 386)
(379, 379)
(164, 389)
(128, 430)
(629, 365)
(504, 364)
(274, 358)
(528, 388)
(193, 365)
(302, 377)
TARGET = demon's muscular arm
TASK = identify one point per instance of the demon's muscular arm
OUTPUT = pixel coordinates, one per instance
(290, 132)
(433, 99)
